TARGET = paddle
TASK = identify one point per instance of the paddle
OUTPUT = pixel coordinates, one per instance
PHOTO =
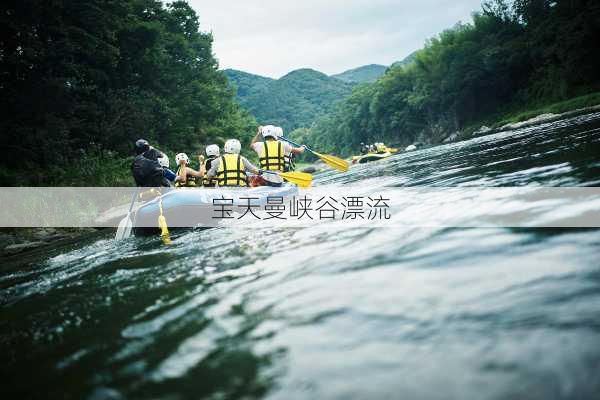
(302, 179)
(124, 229)
(332, 161)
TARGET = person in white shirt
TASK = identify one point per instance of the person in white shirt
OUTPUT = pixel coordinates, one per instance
(272, 153)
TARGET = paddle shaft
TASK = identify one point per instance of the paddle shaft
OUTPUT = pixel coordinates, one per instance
(296, 144)
(127, 220)
(133, 200)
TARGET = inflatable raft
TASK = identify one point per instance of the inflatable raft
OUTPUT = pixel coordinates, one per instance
(365, 158)
(201, 207)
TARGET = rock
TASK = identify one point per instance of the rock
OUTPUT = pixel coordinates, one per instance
(311, 169)
(17, 248)
(411, 147)
(532, 121)
(452, 137)
(482, 131)
(48, 234)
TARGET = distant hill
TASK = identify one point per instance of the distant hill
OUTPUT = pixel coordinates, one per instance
(366, 73)
(293, 101)
(407, 60)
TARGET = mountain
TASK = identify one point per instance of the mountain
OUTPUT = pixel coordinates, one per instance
(407, 60)
(366, 73)
(292, 101)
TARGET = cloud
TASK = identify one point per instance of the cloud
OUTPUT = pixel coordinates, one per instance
(272, 38)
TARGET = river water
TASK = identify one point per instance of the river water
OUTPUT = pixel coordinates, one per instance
(325, 312)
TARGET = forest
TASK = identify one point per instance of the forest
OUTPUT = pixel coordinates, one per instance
(513, 56)
(80, 81)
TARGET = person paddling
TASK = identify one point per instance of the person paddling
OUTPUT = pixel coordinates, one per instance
(186, 176)
(212, 153)
(230, 169)
(271, 152)
(146, 169)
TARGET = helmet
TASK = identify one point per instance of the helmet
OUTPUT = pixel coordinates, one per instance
(232, 146)
(380, 147)
(163, 160)
(141, 146)
(182, 156)
(278, 131)
(269, 131)
(212, 150)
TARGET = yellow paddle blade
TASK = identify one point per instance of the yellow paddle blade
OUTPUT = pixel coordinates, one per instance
(333, 161)
(302, 179)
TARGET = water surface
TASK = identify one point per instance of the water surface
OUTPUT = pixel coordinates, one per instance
(324, 311)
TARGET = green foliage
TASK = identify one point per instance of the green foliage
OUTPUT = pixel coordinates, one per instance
(295, 100)
(511, 56)
(576, 103)
(364, 74)
(95, 75)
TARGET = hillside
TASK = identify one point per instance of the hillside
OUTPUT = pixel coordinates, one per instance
(407, 60)
(366, 73)
(295, 100)
(475, 74)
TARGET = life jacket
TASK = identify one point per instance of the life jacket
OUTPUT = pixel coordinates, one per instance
(231, 171)
(290, 164)
(205, 181)
(273, 158)
(147, 172)
(189, 182)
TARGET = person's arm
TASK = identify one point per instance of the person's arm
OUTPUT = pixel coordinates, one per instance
(258, 133)
(182, 172)
(214, 167)
(248, 166)
(202, 167)
(298, 150)
(288, 148)
(193, 172)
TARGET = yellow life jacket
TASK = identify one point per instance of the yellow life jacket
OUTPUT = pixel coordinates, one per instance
(273, 158)
(231, 171)
(212, 182)
(190, 181)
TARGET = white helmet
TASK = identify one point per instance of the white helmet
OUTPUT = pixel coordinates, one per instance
(182, 156)
(163, 160)
(212, 150)
(232, 146)
(278, 131)
(269, 131)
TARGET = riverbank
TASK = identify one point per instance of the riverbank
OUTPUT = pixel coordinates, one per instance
(20, 241)
(574, 107)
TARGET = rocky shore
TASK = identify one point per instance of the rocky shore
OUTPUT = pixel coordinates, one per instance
(15, 241)
(537, 120)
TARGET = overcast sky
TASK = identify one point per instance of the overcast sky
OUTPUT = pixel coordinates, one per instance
(274, 37)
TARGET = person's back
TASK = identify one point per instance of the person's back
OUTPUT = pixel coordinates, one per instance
(231, 171)
(230, 168)
(212, 153)
(271, 152)
(146, 169)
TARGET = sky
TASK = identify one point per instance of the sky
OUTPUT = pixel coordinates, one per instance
(273, 37)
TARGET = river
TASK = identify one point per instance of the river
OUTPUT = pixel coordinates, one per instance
(323, 312)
